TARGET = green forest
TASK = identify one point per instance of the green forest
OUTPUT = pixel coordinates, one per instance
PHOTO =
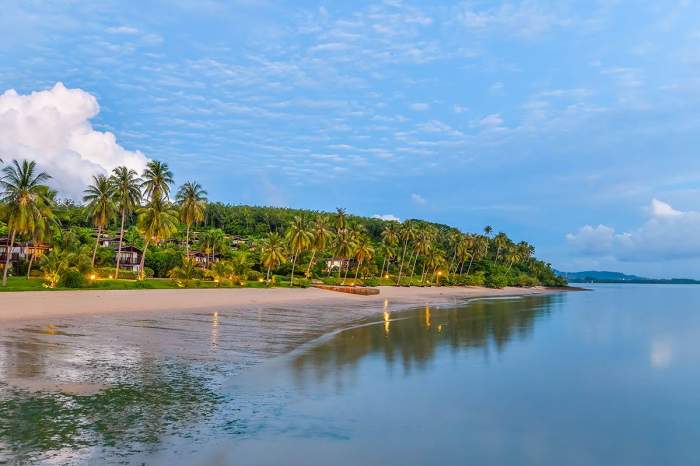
(185, 239)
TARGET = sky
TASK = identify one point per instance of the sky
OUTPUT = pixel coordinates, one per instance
(573, 125)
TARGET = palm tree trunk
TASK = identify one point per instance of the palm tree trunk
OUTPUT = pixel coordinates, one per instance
(422, 275)
(294, 262)
(403, 256)
(311, 261)
(413, 269)
(454, 256)
(7, 258)
(357, 270)
(31, 261)
(381, 274)
(143, 260)
(268, 273)
(119, 251)
(97, 242)
(470, 263)
(347, 269)
(187, 241)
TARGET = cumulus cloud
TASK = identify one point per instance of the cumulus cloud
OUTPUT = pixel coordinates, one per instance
(667, 234)
(387, 217)
(53, 127)
(418, 199)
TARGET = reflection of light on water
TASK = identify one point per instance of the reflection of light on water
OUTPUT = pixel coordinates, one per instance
(214, 330)
(440, 328)
(427, 315)
(386, 317)
(661, 354)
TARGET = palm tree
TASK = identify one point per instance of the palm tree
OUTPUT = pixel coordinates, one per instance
(512, 257)
(344, 248)
(186, 272)
(52, 265)
(363, 252)
(488, 229)
(100, 198)
(453, 239)
(272, 252)
(192, 199)
(435, 261)
(43, 229)
(501, 241)
(219, 272)
(24, 196)
(216, 238)
(422, 246)
(157, 179)
(299, 239)
(407, 233)
(340, 219)
(390, 238)
(157, 221)
(322, 234)
(126, 187)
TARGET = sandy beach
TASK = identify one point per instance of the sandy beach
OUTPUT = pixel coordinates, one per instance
(27, 306)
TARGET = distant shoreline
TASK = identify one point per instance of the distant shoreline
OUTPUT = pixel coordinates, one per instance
(18, 307)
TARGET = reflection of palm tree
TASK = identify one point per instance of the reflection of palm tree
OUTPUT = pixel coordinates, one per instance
(25, 199)
(100, 205)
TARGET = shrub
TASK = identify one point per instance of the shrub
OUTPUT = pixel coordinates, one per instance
(148, 272)
(72, 278)
(526, 280)
(371, 281)
(143, 284)
(475, 279)
(497, 281)
(254, 275)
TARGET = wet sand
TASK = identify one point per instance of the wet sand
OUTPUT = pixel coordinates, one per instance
(17, 307)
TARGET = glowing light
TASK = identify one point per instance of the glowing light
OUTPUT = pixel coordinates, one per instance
(92, 276)
(439, 273)
(110, 277)
(261, 280)
(386, 276)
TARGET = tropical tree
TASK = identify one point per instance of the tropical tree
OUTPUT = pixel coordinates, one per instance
(272, 252)
(157, 179)
(126, 188)
(219, 272)
(344, 248)
(511, 256)
(186, 272)
(192, 199)
(100, 206)
(363, 252)
(390, 239)
(436, 259)
(501, 241)
(52, 265)
(299, 239)
(157, 221)
(322, 235)
(488, 230)
(25, 199)
(406, 234)
(43, 229)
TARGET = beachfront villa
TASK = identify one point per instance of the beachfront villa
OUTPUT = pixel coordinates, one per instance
(22, 251)
(109, 241)
(130, 258)
(203, 260)
(336, 263)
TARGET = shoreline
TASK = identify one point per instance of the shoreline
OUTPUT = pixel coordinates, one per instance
(18, 307)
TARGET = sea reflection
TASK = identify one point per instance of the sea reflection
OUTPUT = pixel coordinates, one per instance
(409, 340)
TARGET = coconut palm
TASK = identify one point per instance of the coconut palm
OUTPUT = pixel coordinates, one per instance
(340, 219)
(157, 179)
(488, 229)
(100, 206)
(299, 239)
(390, 239)
(272, 252)
(157, 221)
(423, 244)
(406, 234)
(511, 256)
(126, 188)
(322, 235)
(344, 248)
(219, 272)
(44, 229)
(363, 252)
(52, 265)
(435, 260)
(501, 241)
(186, 272)
(25, 199)
(192, 199)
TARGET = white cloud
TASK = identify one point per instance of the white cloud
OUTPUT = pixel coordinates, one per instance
(387, 217)
(418, 199)
(128, 30)
(667, 234)
(420, 107)
(53, 127)
(493, 122)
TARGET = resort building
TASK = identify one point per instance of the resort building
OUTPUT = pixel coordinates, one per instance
(336, 263)
(109, 241)
(203, 260)
(130, 258)
(21, 251)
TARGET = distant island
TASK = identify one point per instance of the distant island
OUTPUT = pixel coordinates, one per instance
(596, 276)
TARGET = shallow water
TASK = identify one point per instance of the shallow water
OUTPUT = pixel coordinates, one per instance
(603, 377)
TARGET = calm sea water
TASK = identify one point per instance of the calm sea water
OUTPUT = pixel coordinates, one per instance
(607, 377)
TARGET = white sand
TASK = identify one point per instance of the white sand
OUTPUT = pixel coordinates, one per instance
(30, 305)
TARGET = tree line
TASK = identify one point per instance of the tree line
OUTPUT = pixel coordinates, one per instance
(277, 243)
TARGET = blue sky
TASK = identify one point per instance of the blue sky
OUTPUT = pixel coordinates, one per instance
(570, 124)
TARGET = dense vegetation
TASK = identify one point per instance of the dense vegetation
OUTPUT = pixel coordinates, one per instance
(243, 245)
